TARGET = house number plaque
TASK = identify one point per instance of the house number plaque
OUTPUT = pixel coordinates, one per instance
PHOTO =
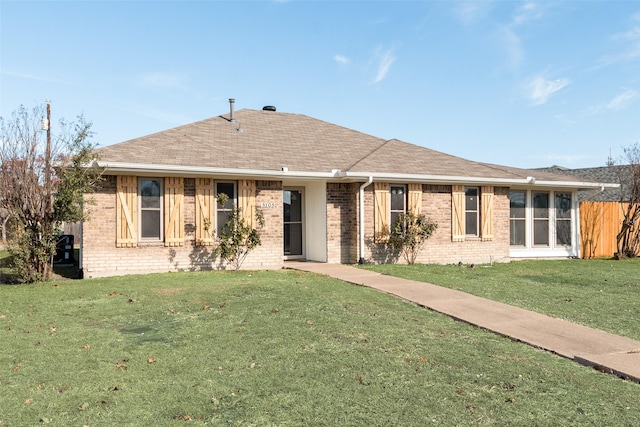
(265, 205)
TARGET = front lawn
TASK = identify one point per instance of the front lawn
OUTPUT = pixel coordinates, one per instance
(274, 348)
(603, 294)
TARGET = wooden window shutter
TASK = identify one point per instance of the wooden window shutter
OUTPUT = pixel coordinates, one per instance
(126, 211)
(487, 213)
(457, 213)
(173, 211)
(205, 211)
(381, 211)
(415, 198)
(247, 200)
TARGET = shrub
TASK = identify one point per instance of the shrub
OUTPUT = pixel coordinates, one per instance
(409, 234)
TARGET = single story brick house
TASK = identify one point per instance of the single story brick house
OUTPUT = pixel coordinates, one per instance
(327, 193)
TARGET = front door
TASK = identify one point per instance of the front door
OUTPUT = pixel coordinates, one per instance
(293, 226)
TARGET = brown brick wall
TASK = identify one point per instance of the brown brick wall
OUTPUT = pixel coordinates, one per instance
(102, 258)
(342, 223)
(439, 249)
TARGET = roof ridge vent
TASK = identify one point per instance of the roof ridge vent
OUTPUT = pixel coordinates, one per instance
(269, 108)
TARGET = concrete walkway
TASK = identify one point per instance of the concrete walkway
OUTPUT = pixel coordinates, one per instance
(592, 347)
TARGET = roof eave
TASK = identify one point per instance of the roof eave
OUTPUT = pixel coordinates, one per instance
(173, 170)
(435, 179)
(448, 179)
(580, 185)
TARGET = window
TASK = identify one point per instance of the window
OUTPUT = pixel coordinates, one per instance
(471, 206)
(472, 213)
(398, 202)
(541, 219)
(224, 212)
(563, 219)
(150, 206)
(517, 218)
(542, 222)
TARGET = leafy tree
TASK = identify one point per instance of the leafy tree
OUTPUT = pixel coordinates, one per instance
(43, 177)
(628, 238)
(410, 233)
(237, 237)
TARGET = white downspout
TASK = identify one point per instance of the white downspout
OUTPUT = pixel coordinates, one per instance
(362, 187)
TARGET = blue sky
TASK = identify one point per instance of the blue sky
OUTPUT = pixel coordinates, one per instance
(520, 83)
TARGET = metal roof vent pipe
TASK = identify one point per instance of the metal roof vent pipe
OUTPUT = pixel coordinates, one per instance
(231, 102)
(269, 108)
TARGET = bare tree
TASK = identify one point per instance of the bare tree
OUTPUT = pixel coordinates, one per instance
(628, 238)
(42, 178)
(4, 218)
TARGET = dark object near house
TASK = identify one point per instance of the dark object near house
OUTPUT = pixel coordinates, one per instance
(269, 108)
(64, 251)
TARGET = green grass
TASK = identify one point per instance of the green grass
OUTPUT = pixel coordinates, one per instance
(603, 294)
(274, 348)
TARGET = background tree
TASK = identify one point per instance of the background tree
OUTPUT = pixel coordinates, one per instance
(43, 176)
(409, 234)
(237, 237)
(4, 219)
(628, 238)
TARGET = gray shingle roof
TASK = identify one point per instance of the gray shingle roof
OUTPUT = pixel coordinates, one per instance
(611, 174)
(269, 141)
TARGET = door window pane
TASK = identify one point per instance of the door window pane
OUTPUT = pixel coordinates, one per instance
(293, 239)
(292, 213)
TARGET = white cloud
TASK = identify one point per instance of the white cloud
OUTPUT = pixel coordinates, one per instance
(383, 59)
(541, 89)
(634, 33)
(513, 46)
(528, 12)
(341, 59)
(623, 100)
(630, 40)
(619, 102)
(470, 12)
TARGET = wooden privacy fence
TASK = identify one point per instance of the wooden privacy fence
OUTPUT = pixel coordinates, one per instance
(599, 225)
